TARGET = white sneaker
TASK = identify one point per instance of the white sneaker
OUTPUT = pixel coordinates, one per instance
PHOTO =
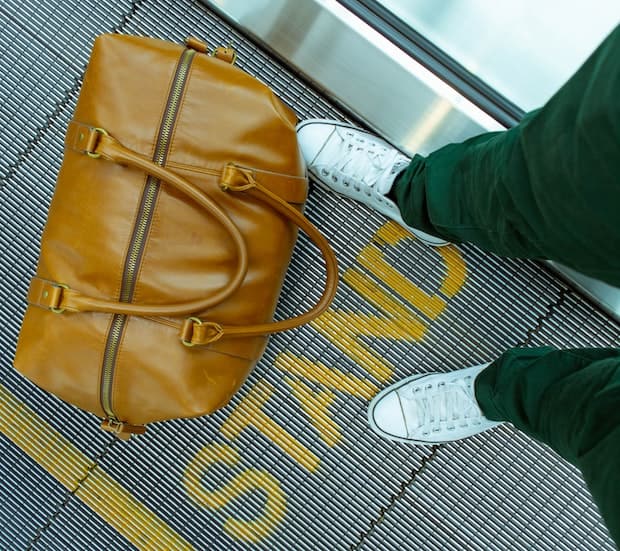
(430, 408)
(356, 164)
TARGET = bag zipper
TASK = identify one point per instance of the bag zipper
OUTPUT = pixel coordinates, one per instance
(140, 233)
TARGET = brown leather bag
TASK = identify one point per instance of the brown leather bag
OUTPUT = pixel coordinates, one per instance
(168, 238)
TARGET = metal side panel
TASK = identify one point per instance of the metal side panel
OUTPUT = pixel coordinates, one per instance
(290, 463)
(362, 70)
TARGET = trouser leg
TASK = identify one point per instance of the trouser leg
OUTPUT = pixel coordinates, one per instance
(547, 188)
(569, 400)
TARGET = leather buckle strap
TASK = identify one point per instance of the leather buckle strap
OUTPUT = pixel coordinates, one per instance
(47, 294)
(224, 53)
(195, 332)
(123, 431)
(85, 138)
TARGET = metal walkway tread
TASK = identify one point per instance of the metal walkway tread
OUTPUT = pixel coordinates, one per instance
(290, 463)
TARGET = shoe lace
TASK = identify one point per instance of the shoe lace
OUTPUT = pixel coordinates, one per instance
(362, 163)
(446, 406)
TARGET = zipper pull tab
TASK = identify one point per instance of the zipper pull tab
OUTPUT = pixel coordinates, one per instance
(196, 44)
(123, 431)
(226, 54)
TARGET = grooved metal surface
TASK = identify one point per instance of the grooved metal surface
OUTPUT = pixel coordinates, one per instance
(311, 482)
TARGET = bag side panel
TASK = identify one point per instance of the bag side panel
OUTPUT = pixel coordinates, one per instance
(92, 214)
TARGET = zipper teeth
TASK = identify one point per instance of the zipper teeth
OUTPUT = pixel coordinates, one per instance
(109, 360)
(144, 219)
(143, 224)
(152, 185)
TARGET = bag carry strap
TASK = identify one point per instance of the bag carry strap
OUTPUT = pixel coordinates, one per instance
(58, 297)
(100, 144)
(196, 332)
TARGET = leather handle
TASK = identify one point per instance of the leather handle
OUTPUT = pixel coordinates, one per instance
(109, 148)
(195, 331)
(238, 179)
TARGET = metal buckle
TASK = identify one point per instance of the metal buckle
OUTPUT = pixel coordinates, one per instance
(116, 427)
(101, 131)
(197, 321)
(113, 425)
(58, 310)
(217, 332)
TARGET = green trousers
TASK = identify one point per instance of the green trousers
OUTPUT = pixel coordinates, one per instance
(547, 188)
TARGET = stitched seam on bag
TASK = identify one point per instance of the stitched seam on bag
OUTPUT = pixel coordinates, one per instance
(282, 110)
(221, 352)
(193, 168)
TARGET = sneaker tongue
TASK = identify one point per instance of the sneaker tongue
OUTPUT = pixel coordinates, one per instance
(384, 185)
(433, 408)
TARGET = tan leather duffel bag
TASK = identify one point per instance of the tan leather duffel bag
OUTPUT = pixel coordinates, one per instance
(170, 231)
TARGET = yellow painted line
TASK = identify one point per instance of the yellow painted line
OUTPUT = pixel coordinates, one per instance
(456, 269)
(317, 403)
(67, 464)
(244, 529)
(456, 273)
(330, 377)
(249, 413)
(371, 258)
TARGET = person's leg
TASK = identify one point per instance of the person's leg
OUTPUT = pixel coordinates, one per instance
(547, 188)
(569, 400)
